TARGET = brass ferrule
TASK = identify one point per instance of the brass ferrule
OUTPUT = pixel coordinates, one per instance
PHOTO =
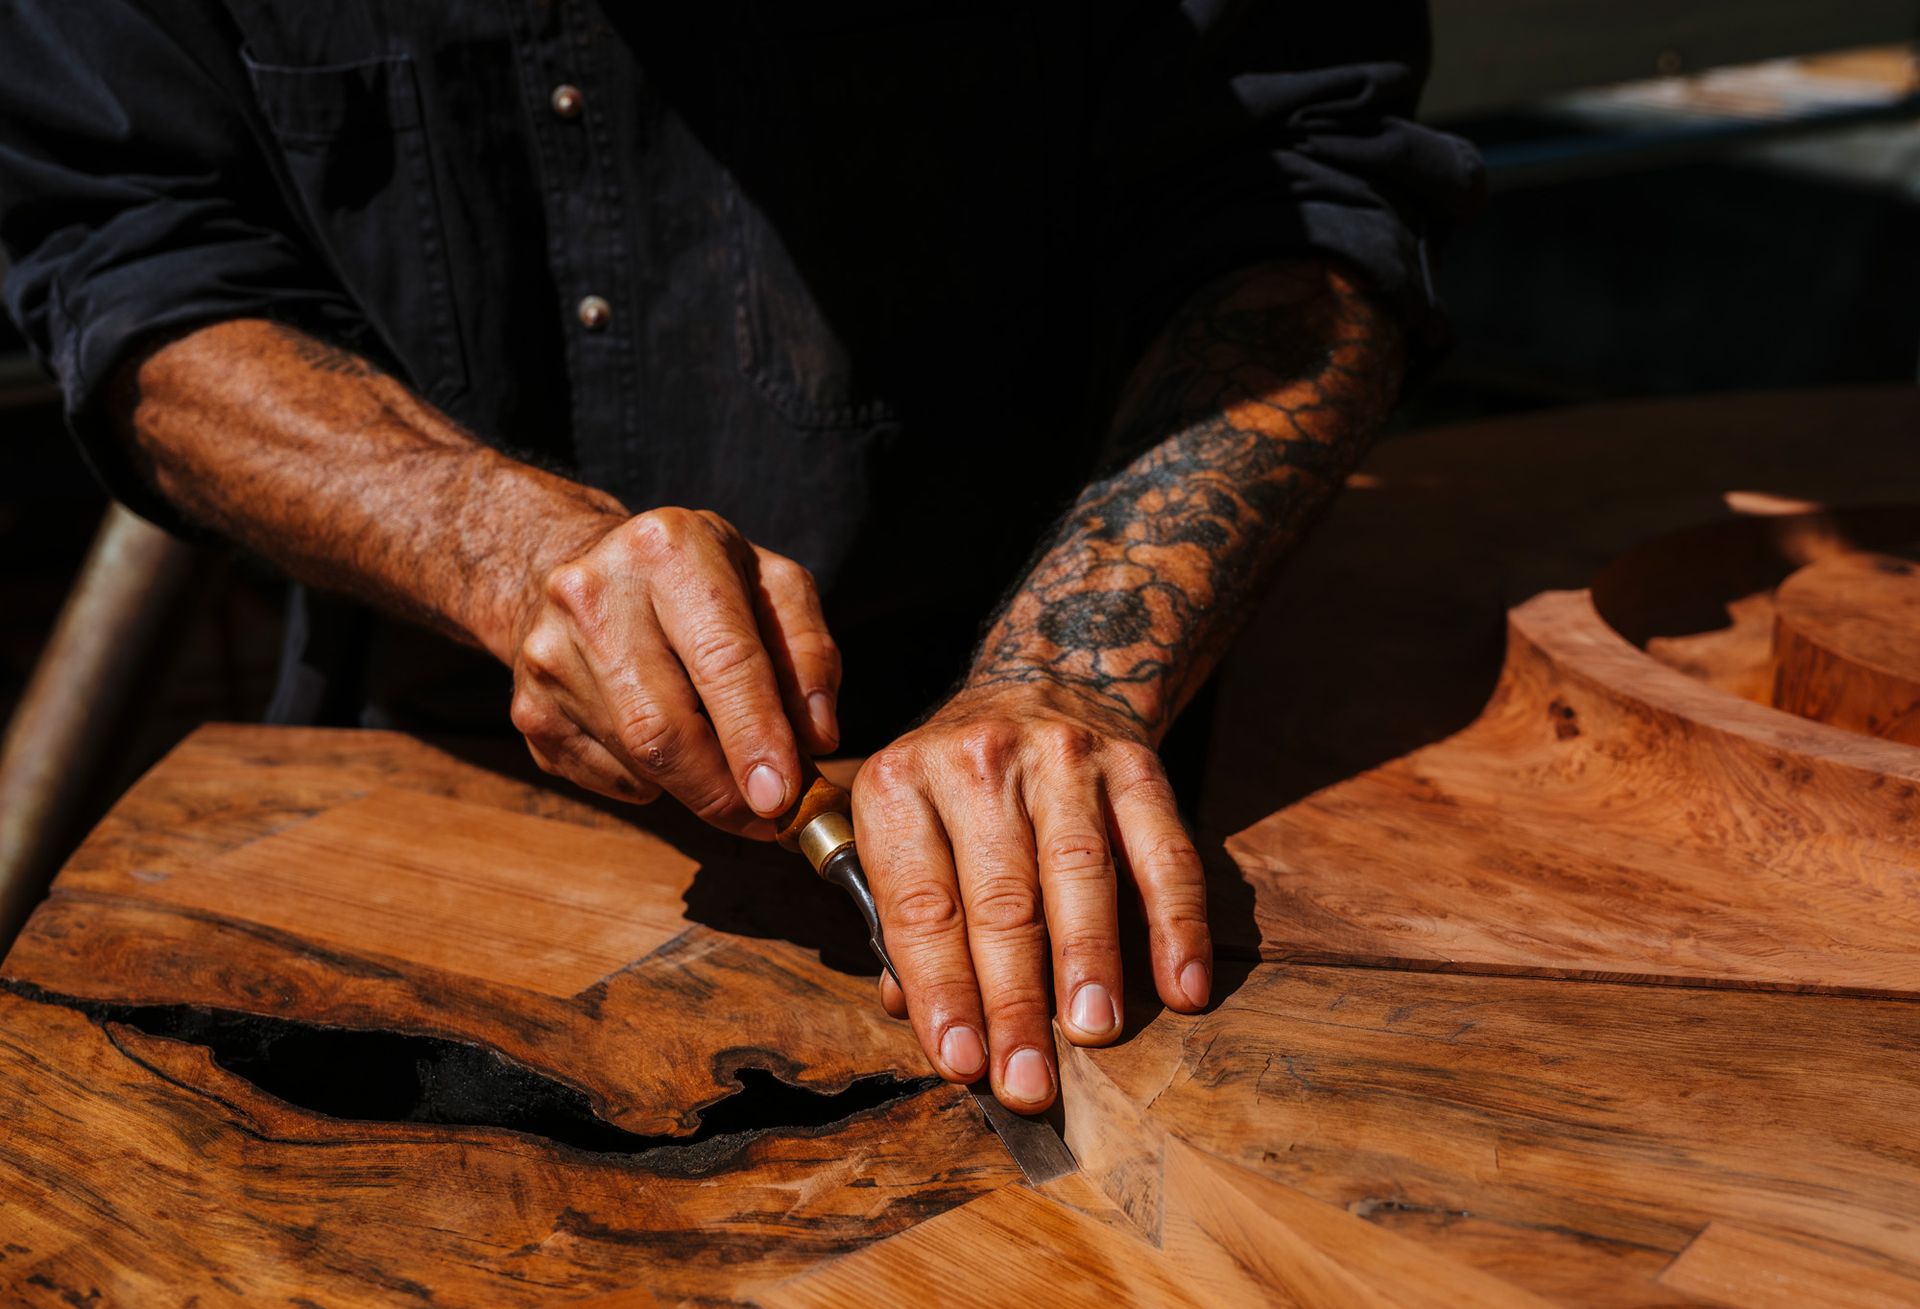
(825, 837)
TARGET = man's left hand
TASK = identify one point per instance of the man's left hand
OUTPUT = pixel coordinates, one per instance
(993, 835)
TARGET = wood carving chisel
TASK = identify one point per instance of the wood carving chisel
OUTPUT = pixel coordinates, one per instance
(820, 826)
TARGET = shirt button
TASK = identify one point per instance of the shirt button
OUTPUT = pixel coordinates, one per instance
(594, 313)
(567, 101)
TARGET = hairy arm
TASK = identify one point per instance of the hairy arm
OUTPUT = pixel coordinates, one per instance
(313, 458)
(657, 651)
(1251, 408)
(995, 832)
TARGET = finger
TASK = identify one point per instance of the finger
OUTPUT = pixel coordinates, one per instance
(1000, 884)
(555, 740)
(910, 868)
(705, 608)
(667, 741)
(585, 762)
(892, 998)
(1166, 867)
(805, 658)
(603, 661)
(1077, 884)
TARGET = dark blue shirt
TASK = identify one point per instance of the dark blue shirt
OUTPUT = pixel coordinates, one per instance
(859, 275)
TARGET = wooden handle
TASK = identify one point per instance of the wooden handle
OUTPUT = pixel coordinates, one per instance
(817, 796)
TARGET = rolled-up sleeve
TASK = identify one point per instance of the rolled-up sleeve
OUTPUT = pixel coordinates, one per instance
(135, 201)
(1235, 131)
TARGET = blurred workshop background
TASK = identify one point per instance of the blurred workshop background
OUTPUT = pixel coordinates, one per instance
(1687, 196)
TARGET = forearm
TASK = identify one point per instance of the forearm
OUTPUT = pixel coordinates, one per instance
(313, 458)
(1252, 407)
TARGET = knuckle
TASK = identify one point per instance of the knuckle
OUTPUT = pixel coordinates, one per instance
(659, 533)
(1067, 743)
(1004, 904)
(927, 908)
(575, 588)
(1013, 1006)
(1132, 766)
(886, 774)
(651, 737)
(1090, 945)
(816, 646)
(544, 651)
(526, 714)
(1173, 852)
(722, 658)
(713, 524)
(1071, 853)
(988, 748)
(718, 806)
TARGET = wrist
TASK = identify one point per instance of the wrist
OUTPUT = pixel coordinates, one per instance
(1031, 691)
(561, 520)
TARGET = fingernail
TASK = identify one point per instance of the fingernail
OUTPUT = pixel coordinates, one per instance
(960, 1050)
(1027, 1077)
(1093, 1010)
(1194, 984)
(766, 792)
(820, 710)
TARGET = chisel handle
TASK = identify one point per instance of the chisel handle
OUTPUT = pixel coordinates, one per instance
(819, 822)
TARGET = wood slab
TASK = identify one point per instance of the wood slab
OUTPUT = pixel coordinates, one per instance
(260, 1044)
(345, 1018)
(1846, 644)
(1609, 817)
(464, 887)
(1567, 1139)
(1386, 630)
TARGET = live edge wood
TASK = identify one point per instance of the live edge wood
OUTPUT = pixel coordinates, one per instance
(1844, 644)
(268, 873)
(332, 1018)
(1609, 817)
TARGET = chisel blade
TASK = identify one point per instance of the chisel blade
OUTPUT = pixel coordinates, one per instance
(1034, 1142)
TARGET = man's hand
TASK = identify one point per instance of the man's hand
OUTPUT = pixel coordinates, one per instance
(1000, 826)
(650, 653)
(992, 834)
(673, 655)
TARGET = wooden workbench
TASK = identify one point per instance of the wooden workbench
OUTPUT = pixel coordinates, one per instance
(1559, 965)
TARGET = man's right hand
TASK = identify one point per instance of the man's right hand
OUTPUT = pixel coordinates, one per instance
(674, 655)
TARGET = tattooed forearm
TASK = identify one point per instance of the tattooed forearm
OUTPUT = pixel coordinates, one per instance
(1252, 407)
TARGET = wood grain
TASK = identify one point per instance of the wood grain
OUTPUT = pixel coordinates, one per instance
(1570, 1139)
(136, 1165)
(1014, 1247)
(1312, 1254)
(464, 887)
(1386, 630)
(185, 1176)
(1846, 645)
(492, 980)
(1609, 817)
(1739, 1266)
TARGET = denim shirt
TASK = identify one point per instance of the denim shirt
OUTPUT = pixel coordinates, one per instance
(860, 275)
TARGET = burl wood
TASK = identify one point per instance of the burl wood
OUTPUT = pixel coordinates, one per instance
(1844, 644)
(362, 883)
(342, 1018)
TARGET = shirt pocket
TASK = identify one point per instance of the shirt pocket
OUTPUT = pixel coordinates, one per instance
(787, 348)
(357, 151)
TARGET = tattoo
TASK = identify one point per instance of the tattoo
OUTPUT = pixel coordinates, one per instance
(1256, 402)
(324, 356)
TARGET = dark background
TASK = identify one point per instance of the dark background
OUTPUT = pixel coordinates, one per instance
(1731, 226)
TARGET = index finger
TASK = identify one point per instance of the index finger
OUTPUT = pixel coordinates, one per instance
(706, 612)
